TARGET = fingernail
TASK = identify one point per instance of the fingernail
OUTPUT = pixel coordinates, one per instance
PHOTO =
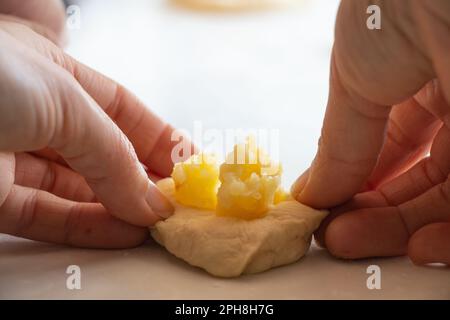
(299, 184)
(158, 202)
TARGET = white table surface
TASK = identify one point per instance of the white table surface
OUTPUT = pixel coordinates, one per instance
(249, 70)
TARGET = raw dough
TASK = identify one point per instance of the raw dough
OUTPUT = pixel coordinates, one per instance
(228, 247)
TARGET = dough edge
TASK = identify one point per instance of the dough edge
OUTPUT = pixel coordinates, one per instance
(228, 247)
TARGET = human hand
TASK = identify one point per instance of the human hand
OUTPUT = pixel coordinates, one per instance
(387, 109)
(70, 145)
(47, 17)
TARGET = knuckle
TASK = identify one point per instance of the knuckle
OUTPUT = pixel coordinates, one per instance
(384, 58)
(127, 151)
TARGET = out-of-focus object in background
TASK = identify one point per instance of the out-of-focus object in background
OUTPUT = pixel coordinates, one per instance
(234, 5)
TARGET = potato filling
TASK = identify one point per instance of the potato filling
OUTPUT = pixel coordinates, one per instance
(245, 187)
(196, 181)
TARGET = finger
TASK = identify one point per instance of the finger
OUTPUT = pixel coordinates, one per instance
(410, 132)
(112, 170)
(78, 129)
(370, 70)
(370, 199)
(46, 175)
(39, 215)
(152, 138)
(49, 154)
(385, 231)
(352, 136)
(370, 232)
(430, 244)
(428, 174)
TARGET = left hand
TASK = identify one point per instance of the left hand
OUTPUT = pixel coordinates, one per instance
(70, 144)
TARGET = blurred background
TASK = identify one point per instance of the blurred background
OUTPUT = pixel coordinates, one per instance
(258, 69)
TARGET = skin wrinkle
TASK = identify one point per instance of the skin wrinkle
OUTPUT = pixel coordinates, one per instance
(79, 194)
(113, 108)
(350, 163)
(325, 152)
(136, 125)
(153, 149)
(400, 138)
(83, 134)
(27, 215)
(63, 134)
(416, 179)
(385, 198)
(444, 190)
(49, 179)
(424, 166)
(115, 111)
(71, 223)
(437, 106)
(429, 165)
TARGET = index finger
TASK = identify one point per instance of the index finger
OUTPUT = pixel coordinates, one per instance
(150, 135)
(351, 139)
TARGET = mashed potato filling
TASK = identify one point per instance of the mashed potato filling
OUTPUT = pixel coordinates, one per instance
(196, 181)
(245, 186)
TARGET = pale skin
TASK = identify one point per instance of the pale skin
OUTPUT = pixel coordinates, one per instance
(82, 184)
(72, 142)
(387, 109)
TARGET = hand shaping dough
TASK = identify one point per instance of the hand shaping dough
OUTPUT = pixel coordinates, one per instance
(228, 246)
(227, 5)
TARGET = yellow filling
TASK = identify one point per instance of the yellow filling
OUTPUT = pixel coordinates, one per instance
(196, 181)
(245, 187)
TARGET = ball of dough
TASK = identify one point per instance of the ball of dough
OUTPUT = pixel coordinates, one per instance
(229, 247)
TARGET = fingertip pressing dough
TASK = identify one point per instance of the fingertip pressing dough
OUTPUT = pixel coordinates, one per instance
(236, 219)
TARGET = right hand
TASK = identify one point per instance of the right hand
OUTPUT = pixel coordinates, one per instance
(388, 107)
